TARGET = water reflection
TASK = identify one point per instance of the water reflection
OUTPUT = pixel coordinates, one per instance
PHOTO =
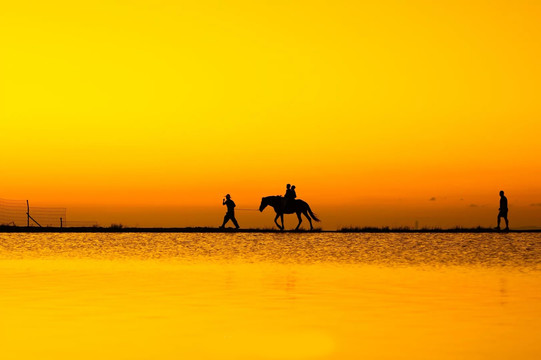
(271, 296)
(515, 250)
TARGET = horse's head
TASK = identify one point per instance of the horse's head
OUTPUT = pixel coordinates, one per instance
(264, 203)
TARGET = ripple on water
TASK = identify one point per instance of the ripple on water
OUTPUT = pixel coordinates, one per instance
(515, 250)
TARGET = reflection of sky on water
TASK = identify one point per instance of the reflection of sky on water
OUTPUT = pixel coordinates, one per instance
(270, 296)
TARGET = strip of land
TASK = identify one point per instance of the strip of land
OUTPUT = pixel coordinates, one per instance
(118, 229)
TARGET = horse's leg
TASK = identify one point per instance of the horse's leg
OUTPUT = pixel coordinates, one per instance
(282, 217)
(309, 219)
(276, 222)
(300, 220)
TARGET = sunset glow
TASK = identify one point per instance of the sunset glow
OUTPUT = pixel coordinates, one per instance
(381, 113)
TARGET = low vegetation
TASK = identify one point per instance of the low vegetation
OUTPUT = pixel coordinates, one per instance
(435, 229)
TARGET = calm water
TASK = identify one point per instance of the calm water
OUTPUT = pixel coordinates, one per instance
(270, 296)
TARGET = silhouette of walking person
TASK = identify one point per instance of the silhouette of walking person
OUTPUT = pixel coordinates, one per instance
(503, 211)
(230, 214)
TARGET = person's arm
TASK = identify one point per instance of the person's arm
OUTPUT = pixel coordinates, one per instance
(223, 202)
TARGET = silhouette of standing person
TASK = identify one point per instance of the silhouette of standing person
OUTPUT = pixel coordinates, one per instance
(503, 211)
(230, 214)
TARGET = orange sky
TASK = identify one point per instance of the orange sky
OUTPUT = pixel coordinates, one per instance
(148, 112)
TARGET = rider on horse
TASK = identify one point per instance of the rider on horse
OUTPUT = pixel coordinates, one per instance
(289, 197)
(294, 206)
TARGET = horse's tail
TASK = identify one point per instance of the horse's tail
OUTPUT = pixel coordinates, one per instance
(312, 214)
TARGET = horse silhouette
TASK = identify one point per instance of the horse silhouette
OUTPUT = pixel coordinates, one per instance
(293, 207)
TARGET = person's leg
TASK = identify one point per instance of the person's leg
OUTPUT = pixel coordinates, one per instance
(235, 221)
(499, 219)
(506, 223)
(226, 219)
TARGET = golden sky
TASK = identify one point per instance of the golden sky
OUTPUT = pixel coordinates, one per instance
(148, 112)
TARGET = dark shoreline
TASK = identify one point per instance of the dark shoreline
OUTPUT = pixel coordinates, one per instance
(16, 229)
